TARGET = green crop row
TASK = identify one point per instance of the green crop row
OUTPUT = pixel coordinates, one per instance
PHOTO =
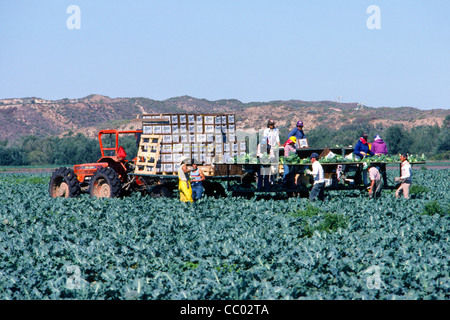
(138, 247)
(294, 158)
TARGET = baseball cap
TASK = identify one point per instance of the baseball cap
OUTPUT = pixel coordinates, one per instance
(314, 155)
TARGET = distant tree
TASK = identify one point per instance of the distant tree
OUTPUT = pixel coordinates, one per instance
(5, 157)
(75, 149)
(319, 137)
(29, 143)
(17, 156)
(37, 157)
(397, 139)
(424, 139)
(446, 123)
(442, 145)
(346, 135)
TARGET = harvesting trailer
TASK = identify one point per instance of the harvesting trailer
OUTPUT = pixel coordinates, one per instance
(209, 140)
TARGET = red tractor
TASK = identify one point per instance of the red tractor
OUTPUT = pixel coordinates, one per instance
(108, 177)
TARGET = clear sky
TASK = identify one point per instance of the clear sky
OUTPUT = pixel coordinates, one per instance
(250, 50)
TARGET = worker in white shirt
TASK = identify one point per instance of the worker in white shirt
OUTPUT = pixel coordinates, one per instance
(272, 134)
(273, 146)
(405, 179)
(317, 191)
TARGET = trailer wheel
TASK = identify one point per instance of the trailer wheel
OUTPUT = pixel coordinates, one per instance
(64, 184)
(214, 189)
(160, 191)
(105, 184)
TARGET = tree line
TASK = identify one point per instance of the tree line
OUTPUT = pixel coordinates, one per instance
(431, 140)
(68, 150)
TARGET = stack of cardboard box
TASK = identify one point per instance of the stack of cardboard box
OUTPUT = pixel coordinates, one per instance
(207, 139)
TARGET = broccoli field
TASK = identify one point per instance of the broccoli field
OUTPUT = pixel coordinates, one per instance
(138, 247)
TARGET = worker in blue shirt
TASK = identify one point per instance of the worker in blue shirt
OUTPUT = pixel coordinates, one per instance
(298, 131)
(362, 150)
(197, 177)
(362, 147)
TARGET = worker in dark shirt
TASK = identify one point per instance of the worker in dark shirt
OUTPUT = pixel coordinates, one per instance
(298, 131)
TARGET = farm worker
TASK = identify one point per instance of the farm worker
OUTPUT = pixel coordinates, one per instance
(273, 135)
(406, 177)
(378, 146)
(289, 146)
(273, 144)
(362, 150)
(184, 185)
(317, 191)
(298, 131)
(375, 184)
(121, 154)
(362, 147)
(197, 177)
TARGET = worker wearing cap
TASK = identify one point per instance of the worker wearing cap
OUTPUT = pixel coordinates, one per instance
(298, 131)
(273, 143)
(272, 134)
(317, 191)
(289, 146)
(184, 185)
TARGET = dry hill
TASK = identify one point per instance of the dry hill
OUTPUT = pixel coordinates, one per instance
(34, 116)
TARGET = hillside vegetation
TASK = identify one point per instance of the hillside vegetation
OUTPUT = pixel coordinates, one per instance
(32, 116)
(36, 131)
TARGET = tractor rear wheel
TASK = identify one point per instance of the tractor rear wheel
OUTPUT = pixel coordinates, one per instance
(64, 184)
(105, 184)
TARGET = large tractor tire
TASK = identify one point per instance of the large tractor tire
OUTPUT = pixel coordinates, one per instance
(105, 184)
(64, 184)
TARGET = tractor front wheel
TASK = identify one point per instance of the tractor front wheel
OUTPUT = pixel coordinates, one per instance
(105, 184)
(64, 184)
